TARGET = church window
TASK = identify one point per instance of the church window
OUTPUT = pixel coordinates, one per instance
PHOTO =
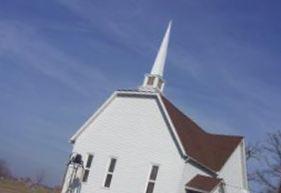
(87, 168)
(109, 173)
(152, 179)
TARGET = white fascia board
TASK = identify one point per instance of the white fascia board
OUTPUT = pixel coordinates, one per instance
(195, 189)
(143, 93)
(91, 119)
(244, 162)
(172, 125)
(202, 165)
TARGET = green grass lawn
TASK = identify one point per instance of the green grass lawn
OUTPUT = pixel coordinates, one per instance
(11, 186)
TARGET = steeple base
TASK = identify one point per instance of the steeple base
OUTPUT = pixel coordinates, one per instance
(152, 83)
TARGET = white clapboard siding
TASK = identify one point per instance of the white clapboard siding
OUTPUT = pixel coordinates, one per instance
(234, 171)
(133, 130)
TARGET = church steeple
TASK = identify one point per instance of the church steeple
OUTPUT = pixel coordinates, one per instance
(154, 81)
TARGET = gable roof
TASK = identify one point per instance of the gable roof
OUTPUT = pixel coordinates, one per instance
(211, 150)
(203, 183)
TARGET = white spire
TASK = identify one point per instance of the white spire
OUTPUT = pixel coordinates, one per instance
(159, 63)
(154, 81)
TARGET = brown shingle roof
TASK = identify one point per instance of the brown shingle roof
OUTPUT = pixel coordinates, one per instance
(210, 150)
(204, 183)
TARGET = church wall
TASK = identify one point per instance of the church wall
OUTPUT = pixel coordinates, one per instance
(189, 172)
(132, 130)
(233, 172)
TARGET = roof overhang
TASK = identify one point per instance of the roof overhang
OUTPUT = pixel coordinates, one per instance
(204, 184)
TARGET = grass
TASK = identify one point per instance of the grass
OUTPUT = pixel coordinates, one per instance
(12, 186)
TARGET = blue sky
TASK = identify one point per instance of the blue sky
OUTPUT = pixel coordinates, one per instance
(60, 59)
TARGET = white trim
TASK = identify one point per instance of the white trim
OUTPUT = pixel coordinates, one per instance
(91, 119)
(244, 165)
(93, 156)
(148, 93)
(88, 168)
(195, 189)
(148, 180)
(171, 124)
(202, 165)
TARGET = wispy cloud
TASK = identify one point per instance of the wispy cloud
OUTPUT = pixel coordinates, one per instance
(234, 99)
(60, 59)
(22, 43)
(121, 26)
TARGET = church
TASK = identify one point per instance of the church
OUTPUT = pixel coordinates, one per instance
(139, 142)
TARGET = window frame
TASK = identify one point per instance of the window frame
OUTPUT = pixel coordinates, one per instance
(149, 180)
(108, 172)
(87, 168)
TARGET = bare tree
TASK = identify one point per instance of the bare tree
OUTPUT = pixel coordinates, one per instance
(40, 177)
(253, 151)
(4, 170)
(267, 174)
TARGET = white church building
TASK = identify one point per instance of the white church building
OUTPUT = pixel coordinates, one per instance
(139, 142)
